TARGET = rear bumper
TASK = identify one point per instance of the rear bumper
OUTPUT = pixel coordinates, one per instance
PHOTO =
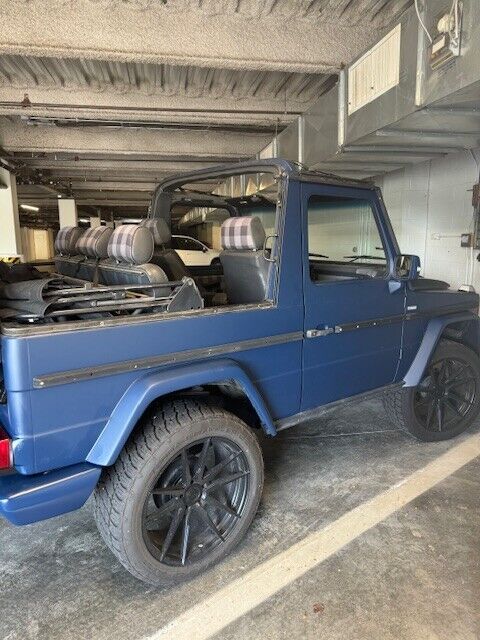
(27, 499)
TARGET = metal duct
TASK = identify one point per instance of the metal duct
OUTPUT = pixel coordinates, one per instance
(423, 111)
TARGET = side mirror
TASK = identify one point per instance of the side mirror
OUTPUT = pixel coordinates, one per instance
(406, 267)
(204, 249)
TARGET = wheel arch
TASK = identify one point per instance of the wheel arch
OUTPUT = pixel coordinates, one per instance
(461, 327)
(150, 388)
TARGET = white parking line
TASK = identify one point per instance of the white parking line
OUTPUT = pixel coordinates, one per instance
(211, 615)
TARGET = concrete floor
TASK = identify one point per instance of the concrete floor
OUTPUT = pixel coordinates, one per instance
(414, 576)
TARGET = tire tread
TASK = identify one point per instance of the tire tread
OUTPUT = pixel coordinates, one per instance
(398, 403)
(112, 492)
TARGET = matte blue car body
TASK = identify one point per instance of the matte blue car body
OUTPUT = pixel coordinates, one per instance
(58, 430)
(148, 388)
(350, 363)
(434, 330)
(27, 499)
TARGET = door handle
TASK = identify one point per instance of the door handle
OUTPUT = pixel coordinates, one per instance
(320, 332)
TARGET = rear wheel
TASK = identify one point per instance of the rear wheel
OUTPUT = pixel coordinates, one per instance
(446, 401)
(182, 493)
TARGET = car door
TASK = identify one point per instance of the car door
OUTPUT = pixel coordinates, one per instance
(353, 312)
(189, 250)
(199, 252)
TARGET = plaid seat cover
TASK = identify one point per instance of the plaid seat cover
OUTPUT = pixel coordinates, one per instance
(66, 240)
(93, 242)
(131, 243)
(246, 232)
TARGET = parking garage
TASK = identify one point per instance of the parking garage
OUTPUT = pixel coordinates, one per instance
(255, 224)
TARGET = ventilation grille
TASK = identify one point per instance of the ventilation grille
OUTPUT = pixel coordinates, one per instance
(375, 72)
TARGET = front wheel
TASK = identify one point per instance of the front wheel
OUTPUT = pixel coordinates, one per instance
(182, 493)
(446, 401)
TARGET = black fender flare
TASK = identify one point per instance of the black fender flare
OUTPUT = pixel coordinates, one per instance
(433, 333)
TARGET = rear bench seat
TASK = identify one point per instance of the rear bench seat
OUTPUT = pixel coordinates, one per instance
(79, 251)
(121, 257)
(113, 257)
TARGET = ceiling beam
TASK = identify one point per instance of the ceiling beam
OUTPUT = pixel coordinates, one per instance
(163, 33)
(134, 106)
(17, 136)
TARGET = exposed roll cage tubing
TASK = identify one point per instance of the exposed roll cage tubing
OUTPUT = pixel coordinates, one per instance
(168, 186)
(280, 169)
(277, 167)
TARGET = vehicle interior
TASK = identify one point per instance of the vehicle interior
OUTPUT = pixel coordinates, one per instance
(133, 269)
(344, 242)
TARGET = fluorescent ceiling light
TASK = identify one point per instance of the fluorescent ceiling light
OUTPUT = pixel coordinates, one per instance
(29, 207)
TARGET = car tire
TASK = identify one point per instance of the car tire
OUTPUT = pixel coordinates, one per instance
(451, 381)
(135, 510)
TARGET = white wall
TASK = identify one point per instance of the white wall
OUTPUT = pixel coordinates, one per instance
(10, 237)
(67, 212)
(430, 205)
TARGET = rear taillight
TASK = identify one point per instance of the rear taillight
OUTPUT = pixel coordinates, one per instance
(5, 450)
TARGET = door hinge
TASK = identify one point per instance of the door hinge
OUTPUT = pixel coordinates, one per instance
(319, 333)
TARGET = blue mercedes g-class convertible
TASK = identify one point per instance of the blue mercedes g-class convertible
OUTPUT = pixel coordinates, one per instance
(127, 376)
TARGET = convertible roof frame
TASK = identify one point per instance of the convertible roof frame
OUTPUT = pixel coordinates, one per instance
(162, 197)
(277, 166)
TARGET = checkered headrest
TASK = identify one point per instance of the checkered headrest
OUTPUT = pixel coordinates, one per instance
(246, 232)
(159, 228)
(66, 240)
(93, 242)
(131, 243)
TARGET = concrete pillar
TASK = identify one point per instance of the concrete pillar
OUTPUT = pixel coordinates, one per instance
(67, 212)
(95, 221)
(10, 236)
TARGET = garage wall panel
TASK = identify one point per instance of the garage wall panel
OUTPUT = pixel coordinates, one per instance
(430, 205)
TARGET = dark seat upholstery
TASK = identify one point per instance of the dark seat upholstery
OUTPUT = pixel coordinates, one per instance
(245, 268)
(163, 256)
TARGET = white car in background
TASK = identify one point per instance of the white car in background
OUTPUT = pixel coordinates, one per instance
(193, 252)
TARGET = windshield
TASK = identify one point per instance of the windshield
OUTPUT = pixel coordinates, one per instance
(343, 229)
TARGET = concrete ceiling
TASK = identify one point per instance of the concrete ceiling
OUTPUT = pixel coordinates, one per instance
(102, 98)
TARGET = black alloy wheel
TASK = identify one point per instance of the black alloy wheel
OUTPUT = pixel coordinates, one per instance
(196, 502)
(182, 493)
(446, 394)
(447, 399)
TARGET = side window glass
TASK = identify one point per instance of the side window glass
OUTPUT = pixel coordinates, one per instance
(180, 244)
(343, 231)
(191, 245)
